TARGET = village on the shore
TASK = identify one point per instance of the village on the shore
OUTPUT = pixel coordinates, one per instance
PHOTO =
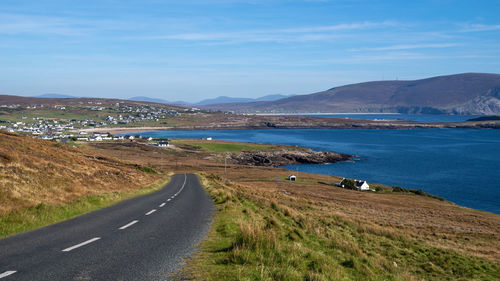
(117, 114)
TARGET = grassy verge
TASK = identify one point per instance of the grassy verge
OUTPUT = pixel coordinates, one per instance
(265, 236)
(41, 215)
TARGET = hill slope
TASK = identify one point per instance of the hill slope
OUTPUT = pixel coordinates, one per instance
(34, 171)
(468, 93)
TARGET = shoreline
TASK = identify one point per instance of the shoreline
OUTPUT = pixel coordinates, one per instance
(317, 113)
(369, 124)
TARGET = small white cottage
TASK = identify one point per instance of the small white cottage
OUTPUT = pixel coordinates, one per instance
(362, 185)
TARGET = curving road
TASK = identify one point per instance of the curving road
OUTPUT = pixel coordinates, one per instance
(144, 238)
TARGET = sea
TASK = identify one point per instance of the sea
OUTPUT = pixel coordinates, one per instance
(460, 165)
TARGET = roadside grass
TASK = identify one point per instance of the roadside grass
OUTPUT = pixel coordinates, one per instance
(18, 221)
(264, 236)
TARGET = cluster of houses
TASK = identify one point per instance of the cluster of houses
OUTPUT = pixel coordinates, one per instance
(48, 128)
(44, 129)
(84, 136)
(97, 137)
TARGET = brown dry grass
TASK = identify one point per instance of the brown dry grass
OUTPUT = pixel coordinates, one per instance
(34, 171)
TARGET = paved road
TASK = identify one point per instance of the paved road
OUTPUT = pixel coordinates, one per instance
(143, 238)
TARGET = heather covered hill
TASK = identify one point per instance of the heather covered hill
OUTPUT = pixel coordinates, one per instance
(34, 171)
(469, 93)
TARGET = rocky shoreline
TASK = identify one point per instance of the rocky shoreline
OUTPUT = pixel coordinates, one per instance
(245, 122)
(287, 157)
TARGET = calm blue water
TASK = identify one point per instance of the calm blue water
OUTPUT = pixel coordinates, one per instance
(413, 117)
(461, 165)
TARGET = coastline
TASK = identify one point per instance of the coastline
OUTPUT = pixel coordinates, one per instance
(318, 113)
(374, 125)
(428, 186)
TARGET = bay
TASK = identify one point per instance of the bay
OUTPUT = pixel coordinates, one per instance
(461, 165)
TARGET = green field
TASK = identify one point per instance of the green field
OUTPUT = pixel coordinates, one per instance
(213, 146)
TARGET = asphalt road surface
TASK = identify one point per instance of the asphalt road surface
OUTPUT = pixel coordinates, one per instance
(144, 238)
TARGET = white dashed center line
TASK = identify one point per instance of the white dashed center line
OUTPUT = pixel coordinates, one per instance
(150, 212)
(7, 273)
(81, 244)
(169, 199)
(129, 224)
(162, 204)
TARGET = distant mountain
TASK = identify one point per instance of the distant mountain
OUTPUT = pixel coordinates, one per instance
(54, 96)
(217, 100)
(468, 93)
(224, 99)
(148, 99)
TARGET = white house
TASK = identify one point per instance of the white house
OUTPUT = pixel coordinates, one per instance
(292, 178)
(362, 185)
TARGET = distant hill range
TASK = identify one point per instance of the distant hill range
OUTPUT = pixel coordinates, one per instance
(54, 96)
(468, 93)
(217, 100)
(6, 100)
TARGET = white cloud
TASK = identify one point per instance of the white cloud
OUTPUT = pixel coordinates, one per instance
(14, 24)
(408, 47)
(480, 27)
(299, 34)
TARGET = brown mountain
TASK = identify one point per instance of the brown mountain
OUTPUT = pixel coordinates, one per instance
(468, 93)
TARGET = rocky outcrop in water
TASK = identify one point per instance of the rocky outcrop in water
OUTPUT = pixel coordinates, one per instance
(286, 157)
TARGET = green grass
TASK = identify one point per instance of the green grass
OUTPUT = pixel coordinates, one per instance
(41, 215)
(257, 238)
(146, 169)
(54, 114)
(226, 147)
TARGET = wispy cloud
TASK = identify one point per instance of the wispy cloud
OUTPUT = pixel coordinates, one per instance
(300, 34)
(407, 47)
(480, 27)
(19, 24)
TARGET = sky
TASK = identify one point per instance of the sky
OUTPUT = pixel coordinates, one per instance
(196, 49)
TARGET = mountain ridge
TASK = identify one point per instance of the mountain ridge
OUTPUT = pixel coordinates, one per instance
(216, 100)
(466, 93)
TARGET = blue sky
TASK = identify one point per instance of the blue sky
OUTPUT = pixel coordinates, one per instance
(195, 49)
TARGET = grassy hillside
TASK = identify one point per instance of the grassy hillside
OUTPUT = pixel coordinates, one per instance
(37, 177)
(264, 233)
